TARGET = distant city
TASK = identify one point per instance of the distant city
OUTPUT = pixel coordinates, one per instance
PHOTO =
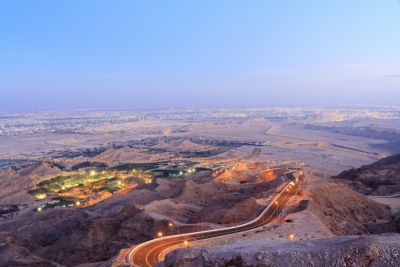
(82, 121)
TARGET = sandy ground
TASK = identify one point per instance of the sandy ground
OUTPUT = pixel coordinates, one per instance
(281, 136)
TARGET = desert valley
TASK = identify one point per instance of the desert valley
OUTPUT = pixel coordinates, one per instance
(100, 183)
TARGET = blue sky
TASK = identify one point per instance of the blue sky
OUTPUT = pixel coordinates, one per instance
(161, 54)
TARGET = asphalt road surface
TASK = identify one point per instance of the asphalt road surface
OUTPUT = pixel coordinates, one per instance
(148, 253)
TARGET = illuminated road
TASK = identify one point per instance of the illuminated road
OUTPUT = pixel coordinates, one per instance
(148, 253)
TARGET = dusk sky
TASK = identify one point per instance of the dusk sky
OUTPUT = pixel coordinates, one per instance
(162, 54)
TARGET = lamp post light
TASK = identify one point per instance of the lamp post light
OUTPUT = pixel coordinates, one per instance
(170, 225)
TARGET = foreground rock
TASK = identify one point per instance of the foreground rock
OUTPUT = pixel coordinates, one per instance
(383, 250)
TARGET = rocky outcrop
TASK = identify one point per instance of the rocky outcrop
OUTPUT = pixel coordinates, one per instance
(16, 251)
(372, 251)
(14, 184)
(346, 212)
(94, 234)
(379, 178)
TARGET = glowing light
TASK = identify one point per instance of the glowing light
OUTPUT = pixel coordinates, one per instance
(41, 196)
(119, 182)
(92, 173)
(170, 224)
(159, 234)
(186, 243)
(276, 202)
(77, 203)
(39, 209)
(292, 236)
(62, 187)
(133, 170)
(180, 173)
(292, 183)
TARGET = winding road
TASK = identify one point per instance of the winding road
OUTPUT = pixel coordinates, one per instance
(149, 253)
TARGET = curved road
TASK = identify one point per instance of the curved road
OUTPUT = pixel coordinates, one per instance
(147, 254)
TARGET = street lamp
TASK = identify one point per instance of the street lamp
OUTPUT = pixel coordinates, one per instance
(292, 236)
(159, 234)
(170, 225)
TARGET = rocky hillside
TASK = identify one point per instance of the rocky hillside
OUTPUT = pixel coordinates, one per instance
(346, 212)
(363, 234)
(379, 178)
(337, 251)
(73, 236)
(14, 184)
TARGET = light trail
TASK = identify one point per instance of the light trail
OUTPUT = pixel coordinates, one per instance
(148, 253)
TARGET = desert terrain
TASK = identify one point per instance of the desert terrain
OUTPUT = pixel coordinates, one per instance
(85, 194)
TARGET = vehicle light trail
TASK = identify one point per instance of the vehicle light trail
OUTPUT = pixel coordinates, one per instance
(148, 253)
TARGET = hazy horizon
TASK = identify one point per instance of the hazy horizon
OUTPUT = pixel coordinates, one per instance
(225, 54)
